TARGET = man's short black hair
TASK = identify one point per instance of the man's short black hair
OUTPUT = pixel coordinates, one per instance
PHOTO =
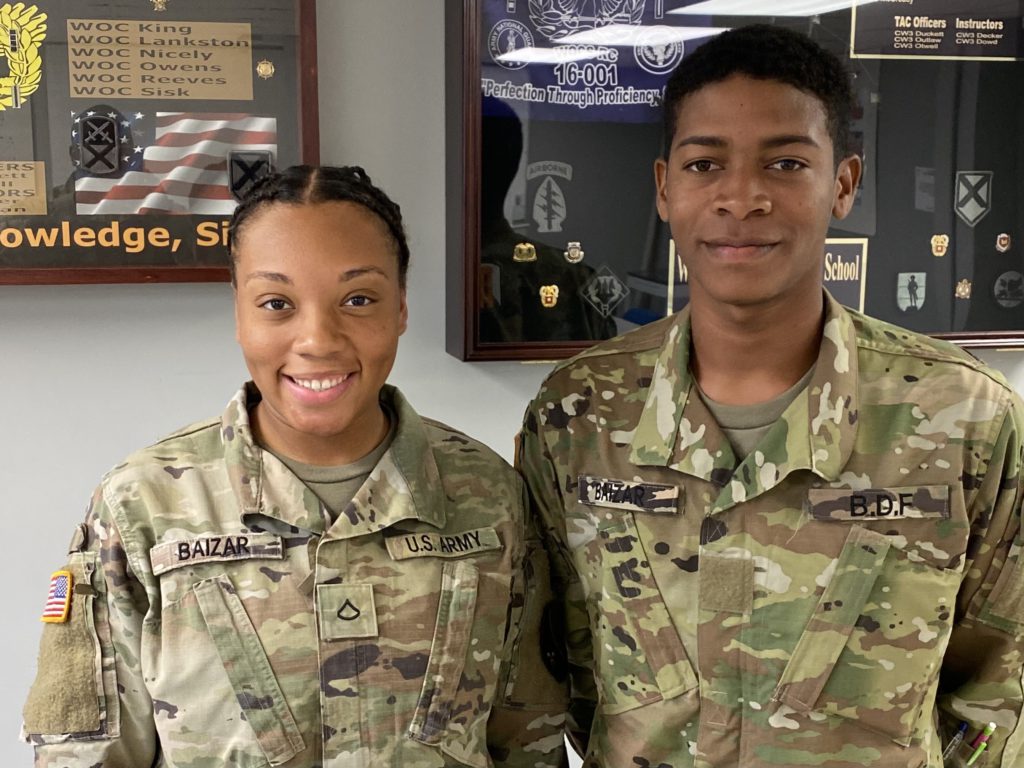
(766, 52)
(306, 184)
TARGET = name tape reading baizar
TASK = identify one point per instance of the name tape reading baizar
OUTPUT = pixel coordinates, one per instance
(214, 549)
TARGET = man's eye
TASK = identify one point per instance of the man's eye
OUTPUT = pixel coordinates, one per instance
(700, 166)
(275, 305)
(788, 164)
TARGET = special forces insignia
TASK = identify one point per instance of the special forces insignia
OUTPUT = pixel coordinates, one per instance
(973, 195)
(910, 290)
(604, 291)
(549, 206)
(658, 51)
(246, 168)
(99, 145)
(1009, 289)
(940, 244)
(507, 37)
(556, 19)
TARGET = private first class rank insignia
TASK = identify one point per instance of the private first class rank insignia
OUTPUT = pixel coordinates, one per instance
(58, 600)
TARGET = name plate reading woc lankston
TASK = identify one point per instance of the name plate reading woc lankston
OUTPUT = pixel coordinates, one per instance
(159, 60)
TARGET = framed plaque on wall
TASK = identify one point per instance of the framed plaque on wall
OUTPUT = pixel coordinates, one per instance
(554, 124)
(129, 131)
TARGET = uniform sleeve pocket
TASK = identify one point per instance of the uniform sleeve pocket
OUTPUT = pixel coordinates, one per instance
(248, 669)
(75, 691)
(871, 649)
(636, 646)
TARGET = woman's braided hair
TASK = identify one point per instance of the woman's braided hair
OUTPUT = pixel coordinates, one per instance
(306, 184)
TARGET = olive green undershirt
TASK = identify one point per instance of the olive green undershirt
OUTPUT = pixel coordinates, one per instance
(745, 425)
(336, 486)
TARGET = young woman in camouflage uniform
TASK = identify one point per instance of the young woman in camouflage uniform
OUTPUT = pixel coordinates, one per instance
(319, 577)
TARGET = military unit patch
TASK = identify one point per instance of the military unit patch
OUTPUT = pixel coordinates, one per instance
(58, 600)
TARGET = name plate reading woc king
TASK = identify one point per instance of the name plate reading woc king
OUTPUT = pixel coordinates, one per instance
(159, 60)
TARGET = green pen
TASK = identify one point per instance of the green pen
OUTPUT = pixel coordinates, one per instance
(982, 737)
(976, 753)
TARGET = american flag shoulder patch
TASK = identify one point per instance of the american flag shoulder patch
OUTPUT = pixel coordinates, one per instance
(58, 601)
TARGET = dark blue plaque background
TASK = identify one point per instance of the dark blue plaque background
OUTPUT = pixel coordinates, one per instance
(612, 73)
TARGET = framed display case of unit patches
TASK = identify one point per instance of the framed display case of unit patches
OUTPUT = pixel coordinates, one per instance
(129, 130)
(554, 124)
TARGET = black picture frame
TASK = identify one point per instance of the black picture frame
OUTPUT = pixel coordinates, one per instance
(256, 106)
(924, 125)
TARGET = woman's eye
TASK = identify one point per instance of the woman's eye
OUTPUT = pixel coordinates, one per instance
(358, 301)
(276, 305)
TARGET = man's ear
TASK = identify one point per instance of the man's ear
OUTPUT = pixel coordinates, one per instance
(847, 180)
(660, 180)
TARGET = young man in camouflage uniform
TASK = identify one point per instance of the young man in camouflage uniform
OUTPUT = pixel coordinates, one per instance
(320, 577)
(782, 533)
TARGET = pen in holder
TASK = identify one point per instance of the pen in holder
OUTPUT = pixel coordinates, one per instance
(970, 753)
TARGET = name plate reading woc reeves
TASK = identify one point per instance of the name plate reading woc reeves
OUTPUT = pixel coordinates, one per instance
(157, 60)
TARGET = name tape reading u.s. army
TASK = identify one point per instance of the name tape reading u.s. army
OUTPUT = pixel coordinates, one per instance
(443, 545)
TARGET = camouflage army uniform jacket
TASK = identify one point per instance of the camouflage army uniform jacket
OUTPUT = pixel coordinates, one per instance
(218, 621)
(849, 590)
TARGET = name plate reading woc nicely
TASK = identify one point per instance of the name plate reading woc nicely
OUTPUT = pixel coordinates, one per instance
(159, 60)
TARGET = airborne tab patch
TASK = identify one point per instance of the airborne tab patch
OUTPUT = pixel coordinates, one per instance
(622, 494)
(442, 544)
(215, 549)
(915, 502)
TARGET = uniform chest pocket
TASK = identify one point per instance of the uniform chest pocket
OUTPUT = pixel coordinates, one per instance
(245, 662)
(872, 649)
(635, 644)
(461, 678)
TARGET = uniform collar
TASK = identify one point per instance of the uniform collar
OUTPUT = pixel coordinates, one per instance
(816, 432)
(405, 484)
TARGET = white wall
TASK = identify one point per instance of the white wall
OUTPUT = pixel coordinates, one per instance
(89, 373)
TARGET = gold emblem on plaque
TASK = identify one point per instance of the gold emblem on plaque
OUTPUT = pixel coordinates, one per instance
(963, 289)
(1003, 242)
(265, 69)
(22, 32)
(159, 5)
(524, 252)
(940, 244)
(575, 254)
(548, 296)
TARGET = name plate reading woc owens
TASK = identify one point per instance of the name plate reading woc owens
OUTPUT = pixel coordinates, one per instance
(159, 60)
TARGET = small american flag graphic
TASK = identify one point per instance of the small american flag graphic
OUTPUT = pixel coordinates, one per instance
(59, 599)
(184, 168)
